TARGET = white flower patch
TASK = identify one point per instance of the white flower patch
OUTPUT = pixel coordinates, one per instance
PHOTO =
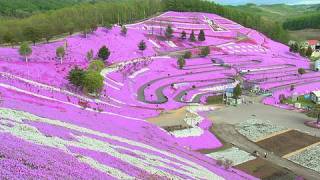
(221, 87)
(47, 87)
(138, 72)
(234, 154)
(154, 43)
(192, 119)
(195, 131)
(149, 162)
(179, 85)
(309, 158)
(171, 44)
(255, 129)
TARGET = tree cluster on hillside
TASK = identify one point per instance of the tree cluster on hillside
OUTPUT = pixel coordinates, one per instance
(303, 22)
(25, 8)
(90, 80)
(85, 18)
(301, 49)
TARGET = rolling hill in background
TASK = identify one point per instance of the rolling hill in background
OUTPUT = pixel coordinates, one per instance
(302, 16)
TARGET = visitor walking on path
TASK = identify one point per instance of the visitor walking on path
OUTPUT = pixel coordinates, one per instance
(265, 155)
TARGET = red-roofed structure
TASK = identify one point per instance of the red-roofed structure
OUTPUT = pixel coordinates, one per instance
(312, 42)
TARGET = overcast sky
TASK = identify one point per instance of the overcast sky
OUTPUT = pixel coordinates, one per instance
(238, 2)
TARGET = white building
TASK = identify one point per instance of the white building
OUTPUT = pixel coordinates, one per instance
(315, 96)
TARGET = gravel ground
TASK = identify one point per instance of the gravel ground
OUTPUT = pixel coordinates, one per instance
(278, 117)
(234, 154)
(309, 158)
(255, 129)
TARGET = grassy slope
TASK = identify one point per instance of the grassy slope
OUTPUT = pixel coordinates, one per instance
(281, 12)
(278, 12)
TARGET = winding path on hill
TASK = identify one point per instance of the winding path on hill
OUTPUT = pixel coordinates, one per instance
(227, 133)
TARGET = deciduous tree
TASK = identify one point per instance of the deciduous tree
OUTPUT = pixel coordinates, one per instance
(60, 53)
(25, 50)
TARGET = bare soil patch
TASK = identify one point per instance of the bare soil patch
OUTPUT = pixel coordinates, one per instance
(171, 120)
(287, 142)
(266, 170)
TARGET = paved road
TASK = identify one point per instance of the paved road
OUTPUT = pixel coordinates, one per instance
(279, 117)
(228, 133)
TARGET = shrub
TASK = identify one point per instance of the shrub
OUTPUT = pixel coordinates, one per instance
(142, 46)
(187, 55)
(301, 71)
(124, 30)
(282, 98)
(205, 51)
(104, 53)
(181, 62)
(96, 65)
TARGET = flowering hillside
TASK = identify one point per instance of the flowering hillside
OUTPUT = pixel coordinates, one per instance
(48, 133)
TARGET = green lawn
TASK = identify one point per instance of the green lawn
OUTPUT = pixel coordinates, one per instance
(304, 102)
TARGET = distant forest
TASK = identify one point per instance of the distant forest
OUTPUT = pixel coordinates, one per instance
(86, 17)
(25, 8)
(311, 21)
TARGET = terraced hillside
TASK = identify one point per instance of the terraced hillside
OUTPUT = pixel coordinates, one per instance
(49, 129)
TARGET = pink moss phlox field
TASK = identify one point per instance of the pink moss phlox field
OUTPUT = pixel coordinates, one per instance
(110, 137)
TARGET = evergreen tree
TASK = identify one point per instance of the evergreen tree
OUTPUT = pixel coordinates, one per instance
(192, 37)
(181, 62)
(25, 50)
(237, 92)
(183, 35)
(201, 36)
(76, 76)
(60, 53)
(142, 46)
(104, 53)
(169, 32)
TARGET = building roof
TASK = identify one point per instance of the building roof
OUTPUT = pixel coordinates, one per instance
(229, 90)
(317, 93)
(312, 42)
